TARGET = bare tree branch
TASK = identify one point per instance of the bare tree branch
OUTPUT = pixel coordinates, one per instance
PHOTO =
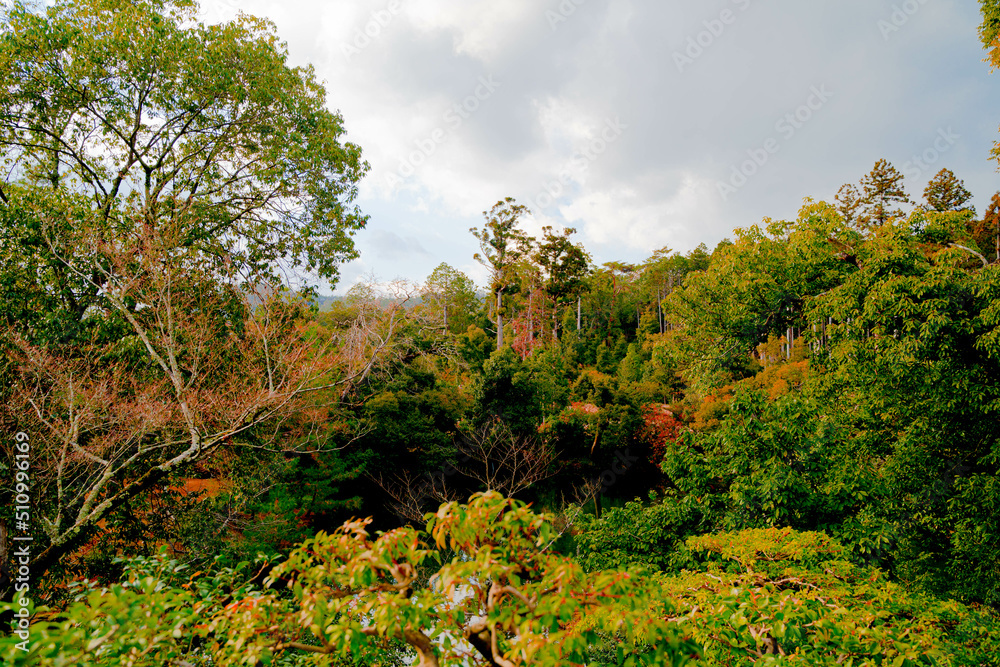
(503, 461)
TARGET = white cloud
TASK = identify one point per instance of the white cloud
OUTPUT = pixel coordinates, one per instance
(655, 185)
(625, 216)
(481, 28)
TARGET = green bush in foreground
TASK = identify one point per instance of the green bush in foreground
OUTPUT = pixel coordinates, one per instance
(482, 586)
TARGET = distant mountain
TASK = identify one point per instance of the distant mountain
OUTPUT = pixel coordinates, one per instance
(325, 302)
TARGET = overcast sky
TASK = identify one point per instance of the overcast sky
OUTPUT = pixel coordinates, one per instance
(642, 123)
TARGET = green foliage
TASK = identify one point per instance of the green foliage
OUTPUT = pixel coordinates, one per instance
(912, 363)
(631, 368)
(502, 245)
(834, 374)
(410, 425)
(159, 174)
(483, 581)
(754, 288)
(154, 616)
(137, 105)
(991, 23)
(758, 548)
(564, 264)
(986, 232)
(640, 534)
(512, 391)
(299, 494)
(604, 358)
(788, 600)
(769, 463)
(943, 229)
(348, 596)
(453, 294)
(475, 347)
(881, 195)
(945, 192)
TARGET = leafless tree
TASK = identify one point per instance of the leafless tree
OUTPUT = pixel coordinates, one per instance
(504, 461)
(411, 496)
(207, 359)
(491, 456)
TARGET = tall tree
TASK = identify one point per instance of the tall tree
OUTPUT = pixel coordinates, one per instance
(454, 294)
(987, 230)
(564, 265)
(945, 192)
(989, 34)
(163, 172)
(502, 245)
(164, 122)
(662, 273)
(848, 202)
(911, 367)
(882, 195)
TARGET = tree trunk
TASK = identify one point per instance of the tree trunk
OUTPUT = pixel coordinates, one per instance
(499, 320)
(659, 309)
(578, 300)
(531, 320)
(79, 535)
(555, 321)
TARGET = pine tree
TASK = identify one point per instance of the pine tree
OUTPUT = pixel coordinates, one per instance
(882, 193)
(945, 192)
(848, 202)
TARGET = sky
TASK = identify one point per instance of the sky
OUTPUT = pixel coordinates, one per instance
(640, 123)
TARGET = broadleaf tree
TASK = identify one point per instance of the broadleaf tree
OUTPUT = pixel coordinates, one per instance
(502, 246)
(564, 266)
(159, 172)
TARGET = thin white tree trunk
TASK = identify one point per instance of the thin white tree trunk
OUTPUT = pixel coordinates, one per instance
(499, 320)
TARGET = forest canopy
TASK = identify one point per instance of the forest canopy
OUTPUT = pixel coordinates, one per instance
(780, 450)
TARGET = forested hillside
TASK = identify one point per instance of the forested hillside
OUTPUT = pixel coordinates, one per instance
(781, 450)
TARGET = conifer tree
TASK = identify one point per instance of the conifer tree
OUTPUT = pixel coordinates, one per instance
(945, 192)
(848, 202)
(882, 194)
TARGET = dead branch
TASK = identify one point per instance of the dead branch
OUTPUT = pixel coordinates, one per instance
(504, 461)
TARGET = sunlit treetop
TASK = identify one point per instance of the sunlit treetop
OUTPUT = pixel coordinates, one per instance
(200, 132)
